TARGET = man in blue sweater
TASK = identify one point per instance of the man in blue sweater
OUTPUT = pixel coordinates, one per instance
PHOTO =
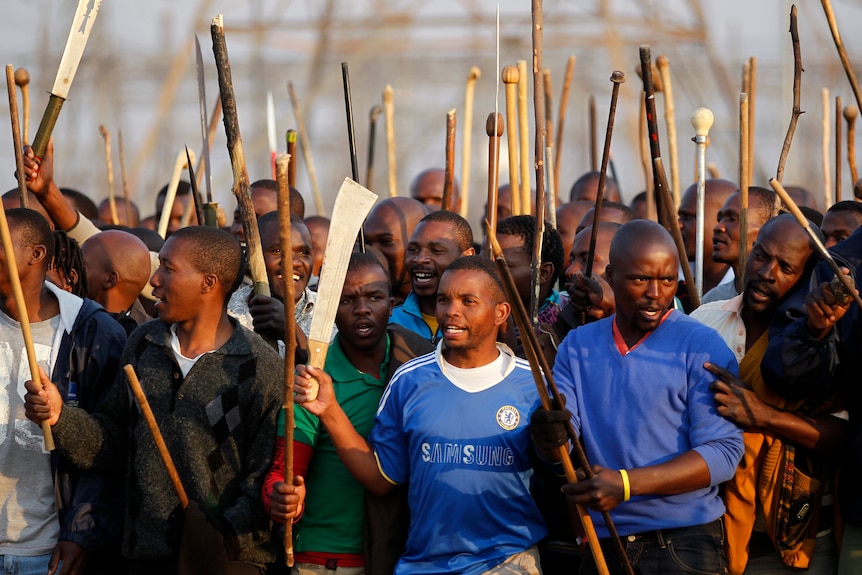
(641, 401)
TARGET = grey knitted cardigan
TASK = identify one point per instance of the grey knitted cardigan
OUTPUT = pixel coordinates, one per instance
(218, 423)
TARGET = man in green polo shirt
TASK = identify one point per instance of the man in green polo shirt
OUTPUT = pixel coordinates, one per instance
(361, 360)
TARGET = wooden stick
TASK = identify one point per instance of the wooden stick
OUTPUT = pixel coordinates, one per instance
(282, 169)
(197, 204)
(850, 113)
(594, 151)
(744, 180)
(109, 164)
(147, 412)
(838, 141)
(240, 187)
(541, 374)
(561, 122)
(510, 79)
(752, 99)
(449, 178)
(824, 150)
(290, 136)
(541, 131)
(467, 139)
(663, 66)
(16, 136)
(171, 194)
(701, 120)
(351, 138)
(523, 137)
(494, 130)
(676, 233)
(643, 149)
(200, 170)
(797, 81)
(842, 54)
(125, 181)
(305, 148)
(23, 316)
(389, 113)
(617, 78)
(551, 204)
(651, 118)
(549, 109)
(22, 79)
(373, 114)
(815, 240)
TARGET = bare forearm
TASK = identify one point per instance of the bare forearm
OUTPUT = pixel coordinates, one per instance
(681, 474)
(64, 215)
(354, 451)
(821, 433)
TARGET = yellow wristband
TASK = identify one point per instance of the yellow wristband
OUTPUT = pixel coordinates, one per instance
(627, 488)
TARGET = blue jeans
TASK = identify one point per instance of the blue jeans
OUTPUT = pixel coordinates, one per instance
(21, 565)
(698, 549)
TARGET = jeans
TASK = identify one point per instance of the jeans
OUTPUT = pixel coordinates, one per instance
(21, 565)
(824, 561)
(698, 549)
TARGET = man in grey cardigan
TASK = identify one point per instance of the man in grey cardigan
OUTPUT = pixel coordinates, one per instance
(215, 389)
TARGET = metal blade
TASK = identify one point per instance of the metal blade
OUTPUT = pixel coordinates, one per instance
(351, 206)
(202, 104)
(270, 123)
(85, 16)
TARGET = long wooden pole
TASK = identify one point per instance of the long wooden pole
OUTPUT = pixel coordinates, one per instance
(511, 76)
(824, 150)
(541, 131)
(449, 178)
(593, 130)
(290, 137)
(16, 136)
(744, 180)
(373, 114)
(663, 66)
(523, 137)
(752, 100)
(797, 82)
(651, 118)
(842, 53)
(850, 113)
(237, 159)
(171, 194)
(549, 111)
(23, 315)
(282, 163)
(389, 114)
(561, 120)
(125, 181)
(147, 412)
(494, 130)
(109, 165)
(838, 141)
(305, 148)
(22, 79)
(467, 139)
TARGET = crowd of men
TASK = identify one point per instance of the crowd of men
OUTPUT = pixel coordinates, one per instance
(724, 438)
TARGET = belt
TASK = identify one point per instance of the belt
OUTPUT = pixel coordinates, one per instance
(660, 535)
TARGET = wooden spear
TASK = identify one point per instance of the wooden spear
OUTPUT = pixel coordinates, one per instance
(842, 54)
(109, 165)
(523, 137)
(125, 181)
(467, 139)
(494, 130)
(305, 148)
(511, 76)
(850, 113)
(449, 173)
(539, 109)
(22, 79)
(290, 136)
(663, 66)
(561, 120)
(389, 114)
(23, 315)
(797, 81)
(824, 151)
(744, 179)
(16, 136)
(282, 163)
(375, 112)
(838, 142)
(237, 159)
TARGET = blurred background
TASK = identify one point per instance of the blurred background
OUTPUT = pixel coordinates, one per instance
(138, 76)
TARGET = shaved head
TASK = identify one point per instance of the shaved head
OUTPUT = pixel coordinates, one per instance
(118, 265)
(639, 236)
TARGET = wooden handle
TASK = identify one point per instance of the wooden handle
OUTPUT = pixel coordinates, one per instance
(524, 138)
(389, 113)
(449, 172)
(16, 135)
(291, 151)
(138, 392)
(22, 79)
(46, 126)
(317, 351)
(467, 137)
(511, 76)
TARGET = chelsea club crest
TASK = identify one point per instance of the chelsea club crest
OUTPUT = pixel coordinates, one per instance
(508, 417)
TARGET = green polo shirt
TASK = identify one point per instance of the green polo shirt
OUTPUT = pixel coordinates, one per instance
(334, 501)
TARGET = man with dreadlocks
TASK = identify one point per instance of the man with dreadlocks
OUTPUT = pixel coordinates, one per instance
(66, 269)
